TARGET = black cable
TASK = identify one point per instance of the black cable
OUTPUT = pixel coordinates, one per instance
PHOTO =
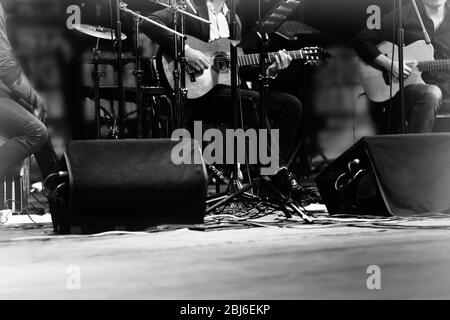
(38, 201)
(25, 211)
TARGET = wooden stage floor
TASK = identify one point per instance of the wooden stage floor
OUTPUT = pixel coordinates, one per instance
(305, 262)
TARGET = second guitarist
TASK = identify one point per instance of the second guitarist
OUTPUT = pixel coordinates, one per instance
(284, 110)
(422, 100)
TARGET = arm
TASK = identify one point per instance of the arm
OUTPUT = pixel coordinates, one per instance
(11, 73)
(160, 36)
(20, 87)
(366, 41)
(165, 39)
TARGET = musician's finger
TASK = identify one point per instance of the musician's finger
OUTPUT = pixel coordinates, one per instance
(278, 60)
(191, 63)
(410, 63)
(289, 58)
(196, 66)
(205, 63)
(406, 74)
(283, 59)
(408, 69)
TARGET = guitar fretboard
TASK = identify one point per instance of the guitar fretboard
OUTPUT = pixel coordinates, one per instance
(434, 65)
(253, 59)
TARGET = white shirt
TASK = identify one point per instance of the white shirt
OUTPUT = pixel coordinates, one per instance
(219, 27)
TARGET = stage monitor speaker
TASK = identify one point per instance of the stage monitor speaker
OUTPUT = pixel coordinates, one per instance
(130, 185)
(401, 175)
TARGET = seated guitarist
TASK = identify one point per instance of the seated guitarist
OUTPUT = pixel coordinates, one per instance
(19, 103)
(284, 109)
(422, 100)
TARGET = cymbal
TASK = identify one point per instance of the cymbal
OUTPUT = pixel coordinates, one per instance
(97, 31)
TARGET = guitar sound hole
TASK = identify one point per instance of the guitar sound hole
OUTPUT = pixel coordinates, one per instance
(221, 62)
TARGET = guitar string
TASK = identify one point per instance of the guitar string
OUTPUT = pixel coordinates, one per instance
(432, 65)
(255, 58)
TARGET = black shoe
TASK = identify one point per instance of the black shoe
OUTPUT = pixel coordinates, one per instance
(285, 182)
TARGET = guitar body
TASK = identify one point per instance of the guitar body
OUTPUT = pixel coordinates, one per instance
(219, 72)
(374, 80)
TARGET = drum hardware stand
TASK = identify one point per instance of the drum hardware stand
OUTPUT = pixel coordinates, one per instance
(179, 12)
(139, 74)
(113, 126)
(118, 46)
(97, 75)
(98, 32)
(177, 36)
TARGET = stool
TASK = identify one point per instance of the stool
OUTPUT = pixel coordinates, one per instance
(15, 189)
(443, 117)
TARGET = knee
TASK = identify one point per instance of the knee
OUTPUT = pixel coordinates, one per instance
(433, 94)
(293, 107)
(253, 98)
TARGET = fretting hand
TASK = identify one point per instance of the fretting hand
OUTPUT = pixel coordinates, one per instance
(282, 62)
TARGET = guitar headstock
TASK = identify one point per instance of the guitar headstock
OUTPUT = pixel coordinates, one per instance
(314, 55)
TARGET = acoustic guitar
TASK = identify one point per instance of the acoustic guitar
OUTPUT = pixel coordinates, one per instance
(219, 73)
(376, 81)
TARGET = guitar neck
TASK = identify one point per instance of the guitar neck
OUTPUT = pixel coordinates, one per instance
(434, 65)
(253, 59)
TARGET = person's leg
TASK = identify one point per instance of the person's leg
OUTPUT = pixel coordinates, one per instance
(286, 109)
(283, 108)
(47, 159)
(286, 112)
(25, 134)
(422, 102)
(217, 107)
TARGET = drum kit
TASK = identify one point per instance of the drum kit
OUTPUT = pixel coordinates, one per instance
(148, 94)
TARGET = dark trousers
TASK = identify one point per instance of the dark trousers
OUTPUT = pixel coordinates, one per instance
(422, 102)
(284, 111)
(25, 135)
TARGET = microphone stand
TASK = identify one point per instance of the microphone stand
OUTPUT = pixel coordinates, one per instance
(401, 45)
(179, 73)
(235, 191)
(235, 184)
(239, 192)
